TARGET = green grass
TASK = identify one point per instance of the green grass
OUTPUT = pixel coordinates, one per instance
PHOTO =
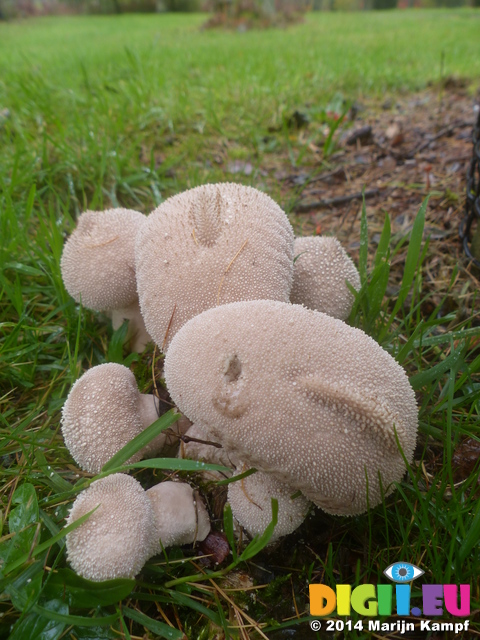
(129, 110)
(109, 109)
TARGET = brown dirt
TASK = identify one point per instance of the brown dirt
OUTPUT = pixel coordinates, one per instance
(416, 146)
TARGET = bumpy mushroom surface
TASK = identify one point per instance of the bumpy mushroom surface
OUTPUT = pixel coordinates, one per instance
(321, 268)
(98, 267)
(297, 394)
(250, 499)
(103, 412)
(119, 537)
(131, 525)
(211, 245)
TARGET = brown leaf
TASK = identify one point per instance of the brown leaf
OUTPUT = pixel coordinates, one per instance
(397, 140)
(465, 458)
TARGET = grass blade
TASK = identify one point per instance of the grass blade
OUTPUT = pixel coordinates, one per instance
(158, 628)
(142, 440)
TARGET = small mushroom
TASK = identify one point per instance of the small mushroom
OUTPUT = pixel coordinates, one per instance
(103, 412)
(210, 245)
(322, 268)
(131, 525)
(297, 394)
(250, 499)
(98, 268)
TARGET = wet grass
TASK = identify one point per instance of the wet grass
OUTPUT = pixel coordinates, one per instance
(127, 111)
(133, 108)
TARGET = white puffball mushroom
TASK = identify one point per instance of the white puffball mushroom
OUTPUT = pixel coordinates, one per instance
(321, 269)
(250, 500)
(98, 268)
(103, 412)
(180, 515)
(131, 525)
(211, 245)
(297, 394)
(119, 537)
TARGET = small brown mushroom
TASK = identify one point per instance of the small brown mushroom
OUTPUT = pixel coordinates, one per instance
(130, 525)
(299, 395)
(98, 268)
(210, 245)
(104, 411)
(322, 268)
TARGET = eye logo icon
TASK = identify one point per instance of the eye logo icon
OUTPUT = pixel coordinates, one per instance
(403, 572)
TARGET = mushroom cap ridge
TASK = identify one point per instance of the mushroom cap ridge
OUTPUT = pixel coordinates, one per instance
(297, 394)
(98, 259)
(211, 245)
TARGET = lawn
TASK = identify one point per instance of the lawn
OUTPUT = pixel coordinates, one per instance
(126, 111)
(109, 108)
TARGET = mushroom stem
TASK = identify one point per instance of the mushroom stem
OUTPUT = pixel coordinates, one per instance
(198, 446)
(180, 515)
(149, 413)
(148, 409)
(137, 334)
(131, 525)
(167, 441)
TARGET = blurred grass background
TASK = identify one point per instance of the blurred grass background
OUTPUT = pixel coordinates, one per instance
(133, 107)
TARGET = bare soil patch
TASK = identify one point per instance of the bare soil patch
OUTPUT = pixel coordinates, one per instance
(399, 150)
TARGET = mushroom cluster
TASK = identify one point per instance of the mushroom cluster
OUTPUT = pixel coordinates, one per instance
(257, 356)
(130, 525)
(298, 395)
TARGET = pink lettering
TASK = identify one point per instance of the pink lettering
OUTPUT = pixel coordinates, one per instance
(450, 592)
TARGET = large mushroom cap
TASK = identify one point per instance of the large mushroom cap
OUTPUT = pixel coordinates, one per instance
(299, 395)
(250, 499)
(98, 262)
(103, 412)
(211, 245)
(321, 269)
(119, 537)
